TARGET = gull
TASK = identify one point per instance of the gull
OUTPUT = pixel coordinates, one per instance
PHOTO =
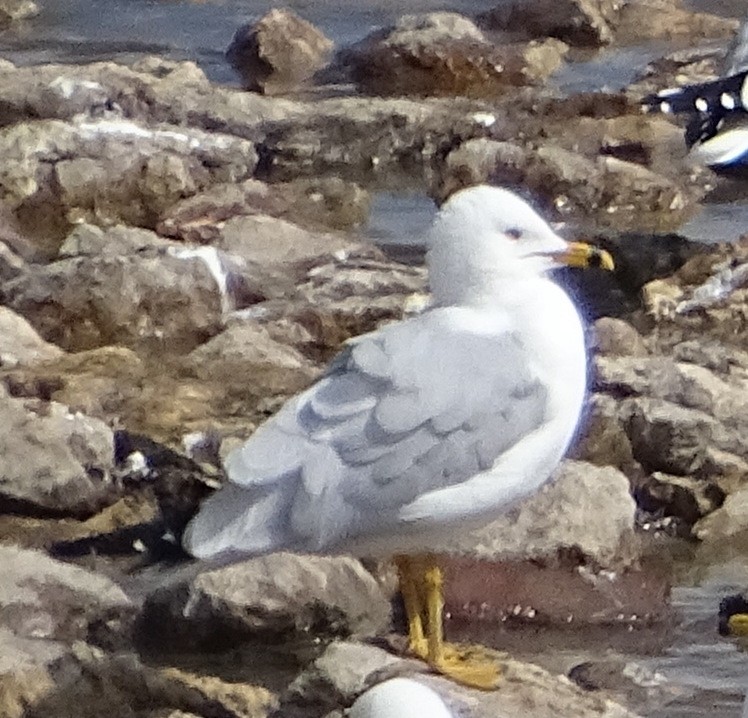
(426, 428)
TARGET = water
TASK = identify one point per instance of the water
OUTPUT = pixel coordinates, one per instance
(708, 674)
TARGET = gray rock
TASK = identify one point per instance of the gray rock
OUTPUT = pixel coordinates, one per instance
(52, 459)
(90, 240)
(446, 54)
(20, 344)
(587, 508)
(615, 337)
(42, 598)
(727, 522)
(281, 598)
(278, 53)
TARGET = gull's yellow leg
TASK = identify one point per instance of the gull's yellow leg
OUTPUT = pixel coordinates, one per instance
(409, 579)
(471, 666)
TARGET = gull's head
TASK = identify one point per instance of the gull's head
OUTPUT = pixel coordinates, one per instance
(484, 235)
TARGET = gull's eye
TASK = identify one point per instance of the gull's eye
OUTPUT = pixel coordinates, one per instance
(514, 233)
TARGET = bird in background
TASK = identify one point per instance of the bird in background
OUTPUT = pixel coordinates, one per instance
(717, 129)
(426, 428)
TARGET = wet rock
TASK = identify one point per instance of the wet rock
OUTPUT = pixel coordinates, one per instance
(281, 598)
(587, 508)
(15, 10)
(20, 344)
(46, 599)
(446, 54)
(583, 23)
(54, 460)
(278, 53)
(146, 299)
(345, 670)
(666, 19)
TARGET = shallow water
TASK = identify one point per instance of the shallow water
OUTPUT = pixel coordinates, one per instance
(707, 674)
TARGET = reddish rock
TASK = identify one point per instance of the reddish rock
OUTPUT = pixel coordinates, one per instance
(278, 53)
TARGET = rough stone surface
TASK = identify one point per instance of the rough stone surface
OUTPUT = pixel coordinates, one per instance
(53, 460)
(345, 670)
(280, 598)
(150, 298)
(445, 53)
(586, 508)
(20, 344)
(46, 599)
(278, 52)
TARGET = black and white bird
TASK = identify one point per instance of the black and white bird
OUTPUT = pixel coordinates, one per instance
(717, 129)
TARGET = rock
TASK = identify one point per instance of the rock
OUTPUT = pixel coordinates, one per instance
(667, 437)
(282, 598)
(88, 240)
(269, 241)
(54, 461)
(146, 299)
(11, 265)
(315, 203)
(244, 352)
(26, 668)
(109, 171)
(278, 53)
(667, 19)
(15, 10)
(728, 521)
(88, 683)
(446, 54)
(346, 670)
(615, 337)
(587, 508)
(602, 438)
(583, 23)
(615, 191)
(20, 344)
(42, 598)
(686, 498)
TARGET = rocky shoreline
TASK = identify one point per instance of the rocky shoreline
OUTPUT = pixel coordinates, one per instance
(177, 258)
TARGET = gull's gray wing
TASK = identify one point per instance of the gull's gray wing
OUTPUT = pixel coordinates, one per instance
(410, 409)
